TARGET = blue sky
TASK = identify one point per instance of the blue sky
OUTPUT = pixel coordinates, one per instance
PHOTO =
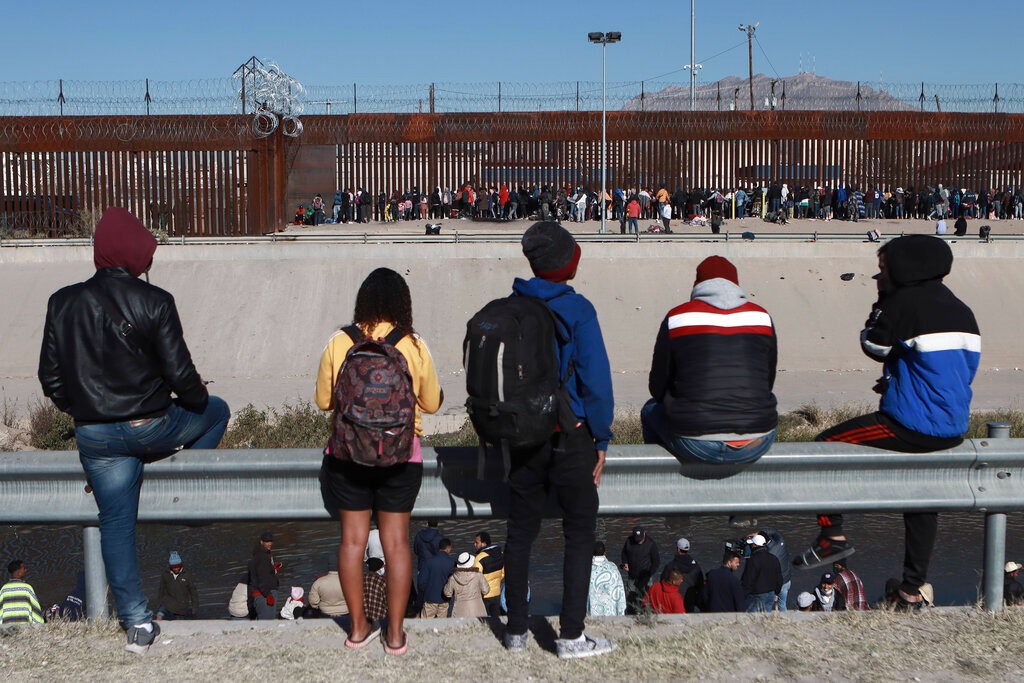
(407, 42)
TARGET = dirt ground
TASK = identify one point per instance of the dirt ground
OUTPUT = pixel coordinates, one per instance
(943, 644)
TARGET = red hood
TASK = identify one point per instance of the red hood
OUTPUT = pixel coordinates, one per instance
(122, 241)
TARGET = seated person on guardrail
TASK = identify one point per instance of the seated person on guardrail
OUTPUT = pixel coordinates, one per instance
(112, 355)
(929, 343)
(712, 374)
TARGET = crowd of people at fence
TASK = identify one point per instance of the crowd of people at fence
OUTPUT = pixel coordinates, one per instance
(753, 574)
(775, 202)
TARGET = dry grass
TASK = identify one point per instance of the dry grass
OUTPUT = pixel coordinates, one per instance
(946, 645)
(304, 426)
(293, 426)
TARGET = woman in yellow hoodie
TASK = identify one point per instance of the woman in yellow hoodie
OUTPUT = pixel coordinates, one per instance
(383, 305)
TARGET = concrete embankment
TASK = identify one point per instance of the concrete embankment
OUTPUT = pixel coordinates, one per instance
(256, 316)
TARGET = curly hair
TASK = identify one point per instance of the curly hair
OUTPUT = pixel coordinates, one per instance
(384, 297)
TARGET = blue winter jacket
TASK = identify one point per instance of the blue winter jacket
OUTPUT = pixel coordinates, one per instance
(590, 387)
(927, 339)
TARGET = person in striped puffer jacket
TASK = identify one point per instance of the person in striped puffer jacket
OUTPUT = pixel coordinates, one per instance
(712, 374)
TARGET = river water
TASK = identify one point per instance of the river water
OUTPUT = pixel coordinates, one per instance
(218, 554)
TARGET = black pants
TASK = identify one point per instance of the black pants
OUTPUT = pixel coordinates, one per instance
(565, 466)
(878, 430)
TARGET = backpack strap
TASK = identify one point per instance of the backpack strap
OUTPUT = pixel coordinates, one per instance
(354, 333)
(394, 336)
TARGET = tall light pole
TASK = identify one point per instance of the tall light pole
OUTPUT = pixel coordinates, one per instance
(603, 39)
(693, 66)
(750, 56)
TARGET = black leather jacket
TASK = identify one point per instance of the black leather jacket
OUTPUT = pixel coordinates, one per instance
(95, 374)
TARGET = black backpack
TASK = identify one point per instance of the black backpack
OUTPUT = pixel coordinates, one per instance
(516, 396)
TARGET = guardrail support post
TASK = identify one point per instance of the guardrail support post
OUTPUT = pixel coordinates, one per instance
(995, 539)
(96, 575)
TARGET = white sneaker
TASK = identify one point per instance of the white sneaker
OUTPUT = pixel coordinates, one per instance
(584, 646)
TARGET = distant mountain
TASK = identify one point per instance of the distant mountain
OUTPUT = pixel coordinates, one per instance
(802, 91)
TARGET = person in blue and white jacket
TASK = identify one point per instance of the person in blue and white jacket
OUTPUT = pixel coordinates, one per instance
(930, 347)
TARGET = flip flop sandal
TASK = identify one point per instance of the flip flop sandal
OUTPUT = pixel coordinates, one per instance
(400, 650)
(357, 644)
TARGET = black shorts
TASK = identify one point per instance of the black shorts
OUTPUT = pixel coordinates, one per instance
(353, 487)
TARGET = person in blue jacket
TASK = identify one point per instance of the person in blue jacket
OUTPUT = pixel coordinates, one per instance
(570, 463)
(930, 347)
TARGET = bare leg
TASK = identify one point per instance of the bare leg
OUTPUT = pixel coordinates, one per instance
(355, 531)
(394, 537)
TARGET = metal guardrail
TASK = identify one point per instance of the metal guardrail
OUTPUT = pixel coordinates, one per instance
(983, 475)
(456, 237)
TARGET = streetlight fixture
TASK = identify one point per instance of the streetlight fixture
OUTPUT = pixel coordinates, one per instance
(602, 39)
(749, 30)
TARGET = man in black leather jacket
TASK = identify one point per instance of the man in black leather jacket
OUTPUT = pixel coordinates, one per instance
(112, 356)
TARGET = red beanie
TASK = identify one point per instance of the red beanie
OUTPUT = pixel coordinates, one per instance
(716, 266)
(122, 241)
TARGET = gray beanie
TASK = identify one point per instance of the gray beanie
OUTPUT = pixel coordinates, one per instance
(551, 250)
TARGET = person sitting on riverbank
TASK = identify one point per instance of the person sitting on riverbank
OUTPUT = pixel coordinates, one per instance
(177, 596)
(263, 581)
(826, 597)
(431, 580)
(663, 597)
(467, 587)
(930, 346)
(850, 586)
(1013, 591)
(607, 595)
(326, 596)
(18, 602)
(375, 592)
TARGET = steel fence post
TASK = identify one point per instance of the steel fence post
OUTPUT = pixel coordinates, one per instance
(995, 539)
(95, 574)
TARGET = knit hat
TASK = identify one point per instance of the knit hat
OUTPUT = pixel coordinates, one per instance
(465, 561)
(551, 250)
(122, 241)
(804, 600)
(714, 267)
(174, 559)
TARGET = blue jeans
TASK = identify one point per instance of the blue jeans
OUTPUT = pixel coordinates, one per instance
(657, 430)
(112, 456)
(761, 602)
(784, 596)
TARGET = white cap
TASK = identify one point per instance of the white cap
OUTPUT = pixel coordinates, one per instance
(757, 539)
(1012, 567)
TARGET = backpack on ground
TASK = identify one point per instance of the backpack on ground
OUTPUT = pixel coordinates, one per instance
(375, 407)
(516, 394)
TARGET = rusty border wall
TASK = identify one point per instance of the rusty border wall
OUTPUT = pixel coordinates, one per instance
(213, 175)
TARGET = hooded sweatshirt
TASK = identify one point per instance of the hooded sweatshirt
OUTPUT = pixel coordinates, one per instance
(714, 362)
(590, 387)
(927, 339)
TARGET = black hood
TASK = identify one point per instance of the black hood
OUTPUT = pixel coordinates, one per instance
(913, 259)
